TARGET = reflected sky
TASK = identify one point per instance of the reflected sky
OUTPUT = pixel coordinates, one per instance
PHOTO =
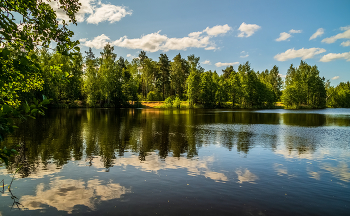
(65, 194)
(133, 161)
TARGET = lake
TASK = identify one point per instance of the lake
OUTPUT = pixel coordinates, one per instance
(180, 162)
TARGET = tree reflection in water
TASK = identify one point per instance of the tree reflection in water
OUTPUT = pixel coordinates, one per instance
(156, 141)
(64, 135)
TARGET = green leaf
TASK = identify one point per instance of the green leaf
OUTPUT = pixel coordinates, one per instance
(46, 101)
(26, 107)
(6, 108)
(34, 111)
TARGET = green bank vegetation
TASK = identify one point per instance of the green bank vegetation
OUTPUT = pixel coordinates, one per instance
(78, 80)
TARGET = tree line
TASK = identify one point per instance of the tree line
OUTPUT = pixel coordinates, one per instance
(108, 81)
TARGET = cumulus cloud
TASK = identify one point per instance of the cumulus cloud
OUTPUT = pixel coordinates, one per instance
(244, 54)
(93, 12)
(345, 28)
(186, 42)
(108, 12)
(154, 42)
(345, 43)
(318, 33)
(217, 30)
(301, 53)
(247, 30)
(151, 42)
(295, 31)
(131, 56)
(285, 36)
(335, 78)
(220, 64)
(344, 35)
(195, 34)
(98, 42)
(334, 56)
(282, 76)
(207, 62)
(210, 48)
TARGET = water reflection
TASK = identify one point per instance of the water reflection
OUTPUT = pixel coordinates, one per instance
(282, 170)
(244, 175)
(153, 163)
(64, 135)
(65, 194)
(240, 149)
(341, 171)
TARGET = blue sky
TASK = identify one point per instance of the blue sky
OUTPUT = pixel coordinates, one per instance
(265, 33)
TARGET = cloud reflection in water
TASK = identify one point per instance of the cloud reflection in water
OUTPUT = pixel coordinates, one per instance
(65, 194)
(153, 164)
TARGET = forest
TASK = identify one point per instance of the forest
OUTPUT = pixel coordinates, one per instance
(77, 79)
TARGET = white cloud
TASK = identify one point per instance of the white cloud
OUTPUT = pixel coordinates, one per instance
(195, 34)
(186, 42)
(333, 56)
(295, 31)
(207, 62)
(301, 53)
(345, 43)
(345, 28)
(336, 77)
(98, 42)
(282, 76)
(247, 30)
(318, 33)
(220, 64)
(108, 12)
(210, 48)
(244, 54)
(131, 56)
(344, 35)
(151, 42)
(284, 36)
(93, 12)
(217, 30)
(155, 41)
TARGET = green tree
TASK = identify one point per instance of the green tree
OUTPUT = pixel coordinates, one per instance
(234, 90)
(207, 89)
(179, 74)
(164, 70)
(18, 70)
(304, 87)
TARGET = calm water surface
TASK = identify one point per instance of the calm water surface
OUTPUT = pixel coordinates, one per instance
(181, 162)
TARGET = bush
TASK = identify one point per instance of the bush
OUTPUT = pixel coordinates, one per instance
(153, 96)
(168, 102)
(177, 103)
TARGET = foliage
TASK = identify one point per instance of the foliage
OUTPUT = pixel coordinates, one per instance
(21, 77)
(168, 102)
(338, 96)
(153, 96)
(304, 87)
(177, 103)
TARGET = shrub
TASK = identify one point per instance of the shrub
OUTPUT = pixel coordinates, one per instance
(153, 96)
(168, 102)
(177, 103)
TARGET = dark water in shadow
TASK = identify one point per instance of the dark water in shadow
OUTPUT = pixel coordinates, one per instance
(181, 162)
